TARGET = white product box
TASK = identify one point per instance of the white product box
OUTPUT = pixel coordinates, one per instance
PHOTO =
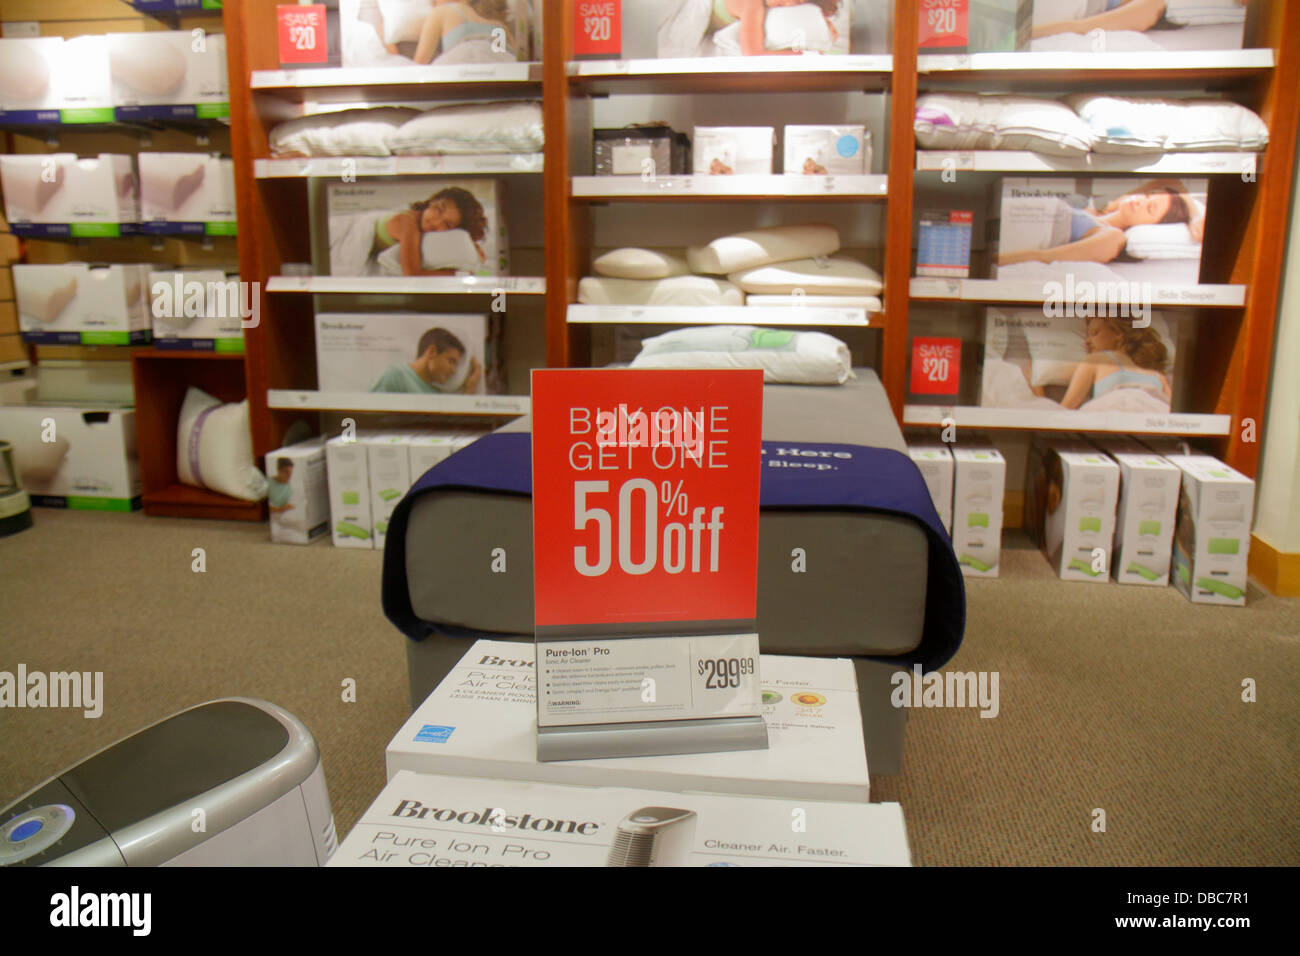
(298, 492)
(426, 820)
(426, 449)
(1034, 360)
(482, 721)
(462, 227)
(1212, 539)
(1139, 231)
(1072, 26)
(1071, 496)
(1148, 508)
(347, 466)
(390, 478)
(827, 150)
(935, 462)
(53, 80)
(979, 482)
(413, 353)
(174, 74)
(57, 194)
(74, 304)
(734, 150)
(201, 310)
(387, 33)
(187, 193)
(79, 458)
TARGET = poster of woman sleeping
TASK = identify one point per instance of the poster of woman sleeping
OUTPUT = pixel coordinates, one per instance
(381, 33)
(689, 28)
(1134, 26)
(425, 226)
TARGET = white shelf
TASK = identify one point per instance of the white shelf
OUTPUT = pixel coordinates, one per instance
(408, 285)
(966, 416)
(413, 75)
(1118, 62)
(795, 187)
(1009, 290)
(383, 402)
(715, 315)
(338, 166)
(990, 161)
(766, 65)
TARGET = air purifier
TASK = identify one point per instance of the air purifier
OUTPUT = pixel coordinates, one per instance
(15, 506)
(653, 836)
(233, 782)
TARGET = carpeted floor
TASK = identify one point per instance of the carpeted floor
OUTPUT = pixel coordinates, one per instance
(1126, 700)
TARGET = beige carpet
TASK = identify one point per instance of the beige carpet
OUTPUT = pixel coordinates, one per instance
(1122, 699)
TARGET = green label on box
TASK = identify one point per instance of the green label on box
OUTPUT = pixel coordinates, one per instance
(211, 4)
(83, 503)
(219, 228)
(1224, 546)
(1149, 527)
(105, 338)
(87, 114)
(212, 110)
(228, 345)
(94, 230)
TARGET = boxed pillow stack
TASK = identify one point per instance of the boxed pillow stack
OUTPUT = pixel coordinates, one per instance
(169, 74)
(91, 463)
(59, 195)
(187, 194)
(75, 304)
(200, 310)
(53, 80)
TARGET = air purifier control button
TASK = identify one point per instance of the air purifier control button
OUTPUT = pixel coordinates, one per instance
(35, 831)
(25, 829)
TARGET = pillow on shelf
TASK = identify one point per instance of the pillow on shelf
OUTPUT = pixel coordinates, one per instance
(404, 19)
(1162, 240)
(970, 121)
(822, 275)
(1130, 124)
(1201, 13)
(635, 263)
(796, 358)
(691, 291)
(761, 247)
(361, 132)
(214, 448)
(513, 126)
(869, 303)
(449, 249)
(784, 28)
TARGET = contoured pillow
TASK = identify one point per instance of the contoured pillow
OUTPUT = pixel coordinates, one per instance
(26, 190)
(37, 461)
(635, 263)
(1055, 350)
(43, 291)
(969, 121)
(761, 247)
(803, 25)
(796, 358)
(146, 61)
(214, 448)
(24, 74)
(675, 290)
(822, 275)
(1199, 13)
(1162, 240)
(513, 126)
(404, 19)
(1133, 124)
(168, 184)
(449, 249)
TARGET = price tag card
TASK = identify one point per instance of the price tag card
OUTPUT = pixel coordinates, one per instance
(936, 366)
(944, 25)
(302, 33)
(598, 28)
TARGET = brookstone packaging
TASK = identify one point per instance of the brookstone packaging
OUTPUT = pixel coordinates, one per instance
(298, 492)
(936, 465)
(482, 721)
(695, 29)
(636, 150)
(73, 303)
(388, 455)
(733, 150)
(827, 150)
(90, 464)
(1178, 25)
(59, 195)
(403, 352)
(169, 74)
(979, 481)
(1071, 497)
(1148, 508)
(187, 193)
(428, 820)
(53, 80)
(386, 33)
(463, 226)
(347, 466)
(201, 310)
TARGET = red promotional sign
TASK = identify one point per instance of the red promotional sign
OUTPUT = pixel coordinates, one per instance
(936, 366)
(598, 28)
(645, 495)
(302, 33)
(945, 25)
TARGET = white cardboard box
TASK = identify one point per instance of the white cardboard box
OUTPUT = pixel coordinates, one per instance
(190, 193)
(74, 304)
(733, 150)
(1148, 508)
(1071, 496)
(935, 462)
(381, 352)
(427, 448)
(980, 477)
(1203, 26)
(298, 492)
(827, 151)
(197, 309)
(1212, 539)
(426, 820)
(388, 454)
(482, 721)
(53, 80)
(387, 35)
(169, 74)
(78, 458)
(347, 466)
(59, 195)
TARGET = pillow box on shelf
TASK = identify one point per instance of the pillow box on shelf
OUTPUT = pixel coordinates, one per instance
(1071, 497)
(943, 241)
(1076, 25)
(214, 448)
(461, 222)
(53, 80)
(57, 194)
(404, 352)
(979, 482)
(639, 150)
(389, 464)
(427, 448)
(78, 458)
(298, 492)
(827, 150)
(76, 304)
(935, 462)
(169, 75)
(733, 150)
(347, 467)
(388, 33)
(200, 310)
(187, 194)
(1148, 508)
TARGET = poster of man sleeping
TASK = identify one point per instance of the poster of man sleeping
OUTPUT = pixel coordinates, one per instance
(420, 226)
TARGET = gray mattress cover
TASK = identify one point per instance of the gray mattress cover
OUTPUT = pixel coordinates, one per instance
(863, 590)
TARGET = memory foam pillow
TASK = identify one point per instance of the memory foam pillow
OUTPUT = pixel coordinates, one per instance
(513, 126)
(634, 263)
(43, 291)
(361, 132)
(26, 190)
(675, 290)
(1162, 240)
(213, 447)
(146, 61)
(784, 28)
(761, 247)
(966, 121)
(1199, 13)
(170, 183)
(404, 19)
(24, 74)
(1131, 124)
(449, 249)
(796, 358)
(823, 275)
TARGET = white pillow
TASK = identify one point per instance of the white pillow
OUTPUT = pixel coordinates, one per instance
(782, 27)
(760, 247)
(514, 126)
(633, 263)
(870, 303)
(214, 448)
(1130, 124)
(1162, 240)
(676, 290)
(364, 132)
(404, 19)
(1055, 350)
(798, 358)
(823, 275)
(449, 249)
(1199, 13)
(967, 121)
